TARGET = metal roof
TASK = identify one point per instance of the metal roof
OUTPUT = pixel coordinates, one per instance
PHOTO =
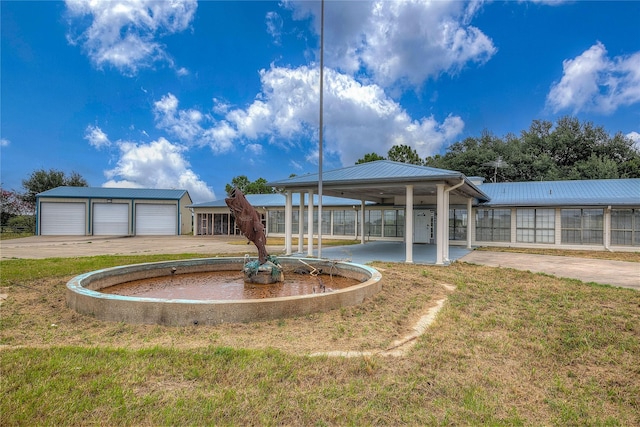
(114, 193)
(279, 200)
(599, 192)
(381, 179)
(379, 170)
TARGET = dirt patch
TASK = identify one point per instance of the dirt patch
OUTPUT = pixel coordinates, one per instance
(36, 315)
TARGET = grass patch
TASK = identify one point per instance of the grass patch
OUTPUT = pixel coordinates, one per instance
(509, 348)
(25, 270)
(613, 256)
(9, 235)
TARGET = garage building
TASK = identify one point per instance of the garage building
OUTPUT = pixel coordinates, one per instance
(86, 211)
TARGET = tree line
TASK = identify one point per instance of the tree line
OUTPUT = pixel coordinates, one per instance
(544, 152)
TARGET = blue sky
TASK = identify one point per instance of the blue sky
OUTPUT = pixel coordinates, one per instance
(186, 94)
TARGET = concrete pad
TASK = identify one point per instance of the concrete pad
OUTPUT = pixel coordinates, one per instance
(74, 246)
(386, 251)
(614, 273)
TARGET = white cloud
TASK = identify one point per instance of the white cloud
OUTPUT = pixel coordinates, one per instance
(159, 164)
(254, 149)
(191, 126)
(274, 26)
(594, 82)
(183, 124)
(96, 137)
(635, 137)
(547, 2)
(4, 142)
(296, 165)
(399, 41)
(123, 33)
(358, 118)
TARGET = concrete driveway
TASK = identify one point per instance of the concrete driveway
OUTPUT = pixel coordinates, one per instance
(615, 273)
(70, 246)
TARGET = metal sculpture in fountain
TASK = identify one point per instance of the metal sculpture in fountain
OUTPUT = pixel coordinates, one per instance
(266, 269)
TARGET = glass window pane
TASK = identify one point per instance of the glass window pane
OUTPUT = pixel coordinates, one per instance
(571, 218)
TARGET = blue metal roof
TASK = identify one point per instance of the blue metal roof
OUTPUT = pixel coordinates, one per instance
(114, 193)
(279, 200)
(600, 192)
(380, 170)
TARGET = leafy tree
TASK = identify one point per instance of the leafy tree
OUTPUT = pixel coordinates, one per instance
(405, 154)
(568, 150)
(259, 186)
(13, 205)
(41, 180)
(23, 223)
(596, 167)
(370, 157)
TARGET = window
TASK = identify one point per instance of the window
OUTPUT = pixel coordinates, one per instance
(393, 223)
(535, 225)
(625, 227)
(344, 223)
(326, 221)
(493, 225)
(582, 226)
(295, 227)
(373, 223)
(457, 224)
(276, 221)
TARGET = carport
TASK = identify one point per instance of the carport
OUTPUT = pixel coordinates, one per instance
(386, 182)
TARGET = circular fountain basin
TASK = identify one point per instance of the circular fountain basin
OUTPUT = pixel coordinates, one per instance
(84, 294)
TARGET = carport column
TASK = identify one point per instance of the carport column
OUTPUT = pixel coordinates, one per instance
(301, 223)
(362, 206)
(288, 222)
(310, 225)
(445, 241)
(408, 220)
(469, 216)
(440, 224)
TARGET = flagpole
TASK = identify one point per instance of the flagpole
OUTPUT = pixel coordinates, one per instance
(320, 132)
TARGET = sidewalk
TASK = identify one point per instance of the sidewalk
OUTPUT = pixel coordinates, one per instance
(615, 273)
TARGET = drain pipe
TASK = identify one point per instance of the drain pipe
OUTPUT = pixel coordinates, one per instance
(446, 198)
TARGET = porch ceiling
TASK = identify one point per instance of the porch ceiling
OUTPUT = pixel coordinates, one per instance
(376, 193)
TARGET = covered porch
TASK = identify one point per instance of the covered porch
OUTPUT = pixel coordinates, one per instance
(386, 183)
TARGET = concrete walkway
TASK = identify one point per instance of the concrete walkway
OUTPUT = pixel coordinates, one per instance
(614, 273)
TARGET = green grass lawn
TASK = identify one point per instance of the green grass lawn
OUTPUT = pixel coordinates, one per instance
(509, 348)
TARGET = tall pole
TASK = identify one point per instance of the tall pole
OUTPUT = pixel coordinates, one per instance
(320, 132)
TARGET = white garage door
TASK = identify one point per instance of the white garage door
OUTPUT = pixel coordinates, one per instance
(62, 219)
(110, 219)
(152, 220)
